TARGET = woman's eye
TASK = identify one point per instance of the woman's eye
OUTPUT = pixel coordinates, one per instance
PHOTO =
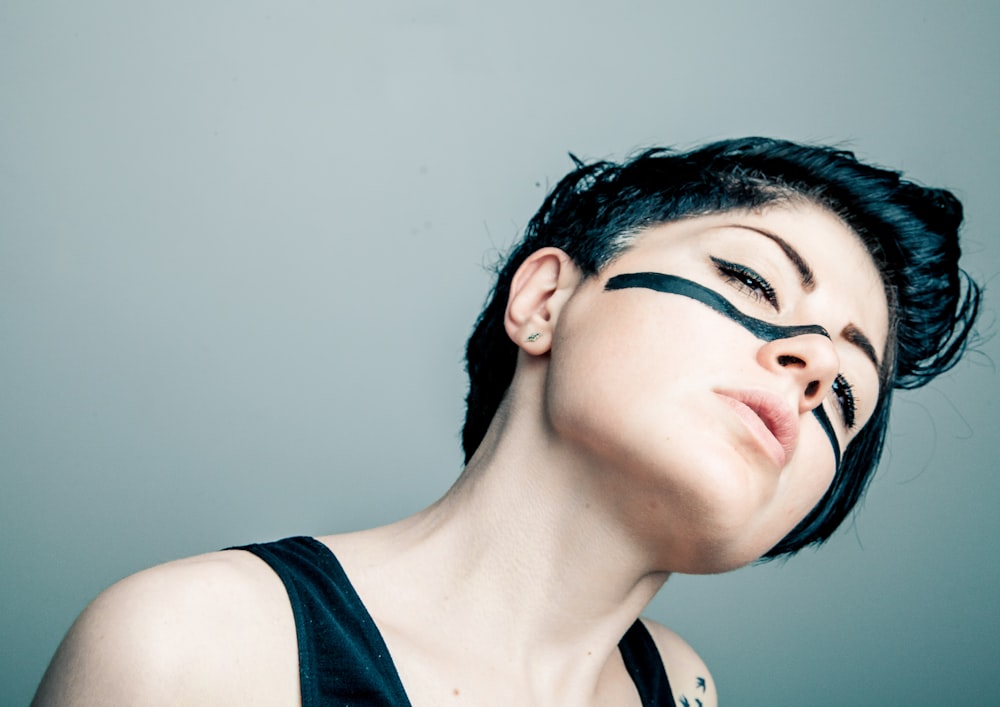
(746, 281)
(844, 395)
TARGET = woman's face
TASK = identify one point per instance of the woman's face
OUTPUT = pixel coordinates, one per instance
(707, 389)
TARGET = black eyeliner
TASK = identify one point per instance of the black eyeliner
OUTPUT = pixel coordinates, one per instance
(747, 277)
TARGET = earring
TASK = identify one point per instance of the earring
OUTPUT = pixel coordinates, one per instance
(535, 336)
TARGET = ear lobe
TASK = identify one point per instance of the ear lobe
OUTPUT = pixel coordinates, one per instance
(540, 287)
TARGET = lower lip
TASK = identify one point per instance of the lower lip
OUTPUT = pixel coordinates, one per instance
(758, 430)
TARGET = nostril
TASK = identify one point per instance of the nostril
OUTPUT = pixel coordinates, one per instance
(790, 361)
(812, 388)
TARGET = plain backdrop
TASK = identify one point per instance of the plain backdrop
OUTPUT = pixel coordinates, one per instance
(242, 244)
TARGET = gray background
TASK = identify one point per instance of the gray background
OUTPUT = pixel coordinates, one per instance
(241, 245)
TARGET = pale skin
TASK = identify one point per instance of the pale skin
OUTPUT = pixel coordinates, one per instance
(615, 460)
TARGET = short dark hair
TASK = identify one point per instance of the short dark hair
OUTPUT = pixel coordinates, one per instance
(910, 231)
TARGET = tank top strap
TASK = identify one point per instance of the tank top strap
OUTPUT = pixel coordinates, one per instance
(644, 664)
(343, 658)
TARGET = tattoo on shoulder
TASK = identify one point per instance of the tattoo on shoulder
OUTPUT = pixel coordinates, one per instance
(699, 684)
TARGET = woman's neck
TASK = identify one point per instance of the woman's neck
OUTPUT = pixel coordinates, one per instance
(523, 565)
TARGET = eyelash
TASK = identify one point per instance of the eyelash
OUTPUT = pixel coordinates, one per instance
(843, 392)
(747, 281)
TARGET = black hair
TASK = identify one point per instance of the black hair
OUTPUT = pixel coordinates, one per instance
(910, 231)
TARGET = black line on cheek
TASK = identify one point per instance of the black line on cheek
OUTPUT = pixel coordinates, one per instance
(820, 414)
(765, 331)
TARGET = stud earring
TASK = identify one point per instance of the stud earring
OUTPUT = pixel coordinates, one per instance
(535, 336)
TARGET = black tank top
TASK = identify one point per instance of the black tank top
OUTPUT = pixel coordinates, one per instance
(342, 657)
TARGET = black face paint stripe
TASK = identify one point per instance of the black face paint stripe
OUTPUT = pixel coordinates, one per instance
(824, 421)
(765, 331)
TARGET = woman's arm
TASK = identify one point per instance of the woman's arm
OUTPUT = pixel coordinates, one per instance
(209, 630)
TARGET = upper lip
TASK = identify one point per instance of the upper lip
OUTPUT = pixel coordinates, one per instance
(774, 412)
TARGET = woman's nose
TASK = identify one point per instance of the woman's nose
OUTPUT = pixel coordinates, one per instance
(810, 360)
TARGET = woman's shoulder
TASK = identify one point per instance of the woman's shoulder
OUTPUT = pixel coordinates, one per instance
(210, 629)
(690, 680)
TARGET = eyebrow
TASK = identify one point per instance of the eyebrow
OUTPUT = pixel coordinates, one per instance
(808, 280)
(806, 275)
(857, 337)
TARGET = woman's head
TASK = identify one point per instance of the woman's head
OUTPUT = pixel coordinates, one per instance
(596, 212)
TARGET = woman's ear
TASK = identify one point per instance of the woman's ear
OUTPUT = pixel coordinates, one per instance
(540, 287)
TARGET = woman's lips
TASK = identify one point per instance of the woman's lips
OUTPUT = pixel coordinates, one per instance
(768, 419)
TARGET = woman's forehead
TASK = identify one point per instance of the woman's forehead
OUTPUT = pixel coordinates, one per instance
(811, 236)
(832, 265)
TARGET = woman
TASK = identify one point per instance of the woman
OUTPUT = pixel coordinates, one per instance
(686, 365)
